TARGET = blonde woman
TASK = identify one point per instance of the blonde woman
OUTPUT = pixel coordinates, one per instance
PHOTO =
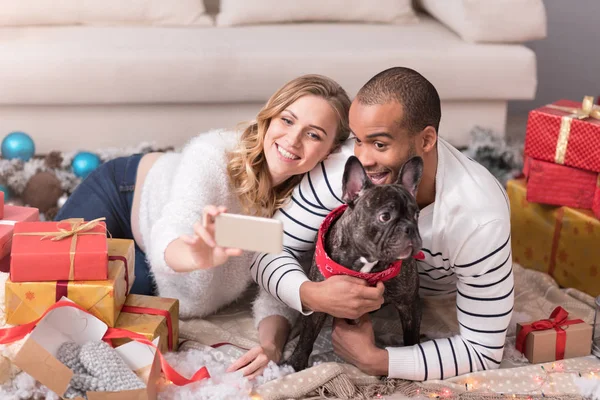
(160, 201)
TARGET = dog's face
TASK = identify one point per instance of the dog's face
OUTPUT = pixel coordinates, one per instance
(382, 220)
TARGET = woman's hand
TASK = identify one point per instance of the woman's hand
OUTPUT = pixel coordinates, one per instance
(254, 362)
(202, 248)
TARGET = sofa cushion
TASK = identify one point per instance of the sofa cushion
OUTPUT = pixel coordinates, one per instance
(244, 12)
(499, 21)
(106, 12)
(101, 65)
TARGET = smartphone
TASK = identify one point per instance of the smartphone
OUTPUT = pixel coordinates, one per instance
(264, 235)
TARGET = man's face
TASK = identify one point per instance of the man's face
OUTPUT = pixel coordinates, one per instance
(382, 144)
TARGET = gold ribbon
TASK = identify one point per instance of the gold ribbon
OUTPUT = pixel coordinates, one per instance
(77, 227)
(587, 110)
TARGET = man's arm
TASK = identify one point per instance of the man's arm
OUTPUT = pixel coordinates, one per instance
(318, 193)
(484, 306)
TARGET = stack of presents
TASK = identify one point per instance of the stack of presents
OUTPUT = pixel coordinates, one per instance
(555, 218)
(73, 261)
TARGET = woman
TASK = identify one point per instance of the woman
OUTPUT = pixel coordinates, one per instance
(167, 203)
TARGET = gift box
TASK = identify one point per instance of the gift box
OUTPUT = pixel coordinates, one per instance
(560, 241)
(560, 185)
(12, 215)
(38, 355)
(555, 338)
(596, 201)
(152, 317)
(27, 301)
(1, 204)
(65, 250)
(565, 132)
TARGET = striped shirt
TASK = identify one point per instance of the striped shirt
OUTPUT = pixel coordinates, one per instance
(466, 242)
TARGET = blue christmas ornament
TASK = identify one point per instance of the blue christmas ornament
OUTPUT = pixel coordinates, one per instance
(84, 163)
(6, 190)
(18, 145)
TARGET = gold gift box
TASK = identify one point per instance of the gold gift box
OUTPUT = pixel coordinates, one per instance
(560, 241)
(149, 325)
(27, 301)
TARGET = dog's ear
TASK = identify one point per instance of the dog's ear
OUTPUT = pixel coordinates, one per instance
(355, 180)
(410, 175)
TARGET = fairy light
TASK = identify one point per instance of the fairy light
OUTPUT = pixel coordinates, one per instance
(542, 382)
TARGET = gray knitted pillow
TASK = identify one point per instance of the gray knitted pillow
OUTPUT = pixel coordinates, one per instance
(97, 367)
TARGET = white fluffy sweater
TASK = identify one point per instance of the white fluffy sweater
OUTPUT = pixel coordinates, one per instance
(176, 190)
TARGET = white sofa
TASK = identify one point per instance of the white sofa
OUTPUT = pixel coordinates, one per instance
(86, 87)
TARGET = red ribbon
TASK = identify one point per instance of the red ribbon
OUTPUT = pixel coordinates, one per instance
(154, 311)
(121, 258)
(10, 335)
(62, 286)
(557, 320)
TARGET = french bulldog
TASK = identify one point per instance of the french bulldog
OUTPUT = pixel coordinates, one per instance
(377, 228)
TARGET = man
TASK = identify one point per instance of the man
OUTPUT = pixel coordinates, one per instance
(464, 223)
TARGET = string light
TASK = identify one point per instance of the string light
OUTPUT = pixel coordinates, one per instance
(541, 381)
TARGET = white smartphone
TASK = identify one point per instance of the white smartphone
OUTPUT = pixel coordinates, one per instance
(264, 235)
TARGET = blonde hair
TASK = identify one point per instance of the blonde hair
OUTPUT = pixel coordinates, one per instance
(247, 168)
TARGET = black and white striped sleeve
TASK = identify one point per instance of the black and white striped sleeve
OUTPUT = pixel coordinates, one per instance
(318, 193)
(484, 305)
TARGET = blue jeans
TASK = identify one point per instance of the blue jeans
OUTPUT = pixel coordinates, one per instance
(108, 192)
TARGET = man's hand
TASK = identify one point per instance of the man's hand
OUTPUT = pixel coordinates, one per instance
(356, 345)
(342, 296)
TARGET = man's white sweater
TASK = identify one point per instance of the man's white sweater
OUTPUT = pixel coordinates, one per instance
(466, 242)
(176, 190)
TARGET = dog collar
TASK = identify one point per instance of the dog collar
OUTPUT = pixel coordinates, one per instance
(328, 267)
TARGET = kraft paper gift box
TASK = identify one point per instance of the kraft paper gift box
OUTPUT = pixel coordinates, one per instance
(558, 337)
(64, 250)
(153, 317)
(12, 215)
(565, 132)
(559, 185)
(38, 356)
(560, 241)
(27, 301)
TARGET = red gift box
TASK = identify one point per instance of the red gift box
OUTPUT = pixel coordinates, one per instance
(559, 185)
(566, 133)
(12, 215)
(65, 250)
(1, 204)
(596, 202)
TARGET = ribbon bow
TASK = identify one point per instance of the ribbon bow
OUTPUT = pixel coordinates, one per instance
(587, 110)
(557, 320)
(77, 226)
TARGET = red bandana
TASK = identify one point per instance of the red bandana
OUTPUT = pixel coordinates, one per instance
(328, 267)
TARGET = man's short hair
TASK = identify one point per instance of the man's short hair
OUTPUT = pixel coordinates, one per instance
(417, 95)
